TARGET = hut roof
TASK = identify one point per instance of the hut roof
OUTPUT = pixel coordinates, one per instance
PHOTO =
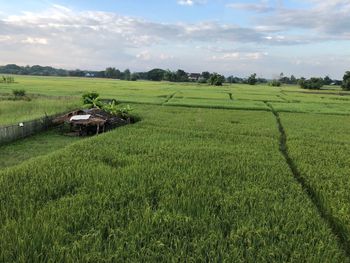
(84, 117)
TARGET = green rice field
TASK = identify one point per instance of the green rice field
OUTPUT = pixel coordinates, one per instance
(235, 173)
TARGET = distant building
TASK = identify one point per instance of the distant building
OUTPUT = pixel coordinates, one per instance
(89, 75)
(194, 76)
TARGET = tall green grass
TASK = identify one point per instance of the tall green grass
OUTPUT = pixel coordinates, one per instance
(13, 111)
(37, 145)
(320, 147)
(181, 185)
(285, 98)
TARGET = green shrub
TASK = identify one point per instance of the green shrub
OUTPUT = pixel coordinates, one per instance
(111, 107)
(275, 83)
(92, 100)
(19, 93)
(125, 112)
(346, 81)
(216, 79)
(202, 81)
(252, 79)
(313, 83)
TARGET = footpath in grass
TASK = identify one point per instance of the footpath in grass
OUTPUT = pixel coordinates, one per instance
(320, 148)
(181, 185)
(40, 144)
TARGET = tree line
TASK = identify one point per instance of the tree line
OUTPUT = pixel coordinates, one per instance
(176, 76)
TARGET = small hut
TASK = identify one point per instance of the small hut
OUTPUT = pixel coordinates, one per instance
(90, 121)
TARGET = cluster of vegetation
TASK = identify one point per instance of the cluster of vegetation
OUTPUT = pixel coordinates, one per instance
(153, 75)
(19, 93)
(7, 79)
(93, 100)
(216, 79)
(312, 83)
(346, 81)
(275, 83)
(32, 70)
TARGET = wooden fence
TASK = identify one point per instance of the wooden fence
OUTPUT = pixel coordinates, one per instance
(24, 129)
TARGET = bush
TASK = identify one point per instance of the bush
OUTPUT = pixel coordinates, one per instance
(92, 100)
(7, 80)
(313, 83)
(111, 107)
(346, 81)
(252, 79)
(19, 93)
(134, 77)
(216, 79)
(125, 112)
(275, 83)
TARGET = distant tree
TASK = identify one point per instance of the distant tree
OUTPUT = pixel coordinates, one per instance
(134, 77)
(156, 74)
(127, 74)
(293, 80)
(275, 83)
(327, 80)
(216, 79)
(261, 80)
(252, 79)
(118, 74)
(346, 81)
(111, 73)
(100, 74)
(313, 83)
(72, 73)
(169, 75)
(181, 76)
(142, 75)
(205, 75)
(230, 79)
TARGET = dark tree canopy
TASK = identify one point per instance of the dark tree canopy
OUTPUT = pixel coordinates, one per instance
(156, 74)
(313, 83)
(327, 80)
(252, 79)
(216, 79)
(346, 81)
(206, 75)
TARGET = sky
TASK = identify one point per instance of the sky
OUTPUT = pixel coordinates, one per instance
(232, 37)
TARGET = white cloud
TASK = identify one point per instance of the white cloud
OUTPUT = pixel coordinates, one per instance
(67, 38)
(190, 2)
(329, 18)
(144, 55)
(4, 38)
(239, 56)
(260, 7)
(35, 41)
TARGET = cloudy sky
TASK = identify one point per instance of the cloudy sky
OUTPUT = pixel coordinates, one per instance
(300, 37)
